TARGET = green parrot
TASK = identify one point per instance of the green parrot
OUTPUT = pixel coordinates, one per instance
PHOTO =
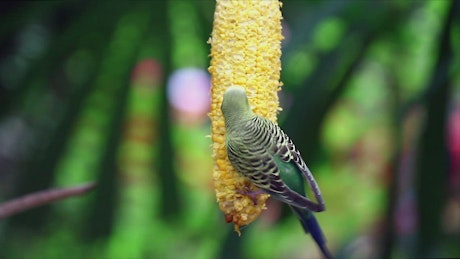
(259, 150)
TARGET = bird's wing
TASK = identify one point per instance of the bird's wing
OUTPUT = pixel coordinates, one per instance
(288, 153)
(259, 154)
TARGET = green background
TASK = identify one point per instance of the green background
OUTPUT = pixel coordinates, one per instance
(371, 98)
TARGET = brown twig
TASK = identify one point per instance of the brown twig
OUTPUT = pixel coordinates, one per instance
(41, 198)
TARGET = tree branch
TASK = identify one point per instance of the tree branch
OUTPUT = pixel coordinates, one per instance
(41, 198)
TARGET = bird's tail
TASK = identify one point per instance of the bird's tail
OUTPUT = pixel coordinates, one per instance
(311, 225)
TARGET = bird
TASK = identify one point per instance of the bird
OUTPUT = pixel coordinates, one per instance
(259, 150)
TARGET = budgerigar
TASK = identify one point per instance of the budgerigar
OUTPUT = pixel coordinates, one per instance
(259, 150)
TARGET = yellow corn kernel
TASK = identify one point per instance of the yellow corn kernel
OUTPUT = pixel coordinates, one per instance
(245, 51)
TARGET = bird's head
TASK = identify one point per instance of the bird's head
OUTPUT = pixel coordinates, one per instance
(235, 103)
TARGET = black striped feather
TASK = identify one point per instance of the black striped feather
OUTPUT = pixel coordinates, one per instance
(252, 149)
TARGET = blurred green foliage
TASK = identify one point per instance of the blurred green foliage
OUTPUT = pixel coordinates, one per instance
(371, 91)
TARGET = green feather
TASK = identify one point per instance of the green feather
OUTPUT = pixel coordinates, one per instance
(291, 176)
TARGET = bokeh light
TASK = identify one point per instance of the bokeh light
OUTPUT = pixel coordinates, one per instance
(188, 93)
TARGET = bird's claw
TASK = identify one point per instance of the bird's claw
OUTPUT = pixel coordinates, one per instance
(251, 194)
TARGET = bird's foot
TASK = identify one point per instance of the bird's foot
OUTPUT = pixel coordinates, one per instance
(252, 194)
